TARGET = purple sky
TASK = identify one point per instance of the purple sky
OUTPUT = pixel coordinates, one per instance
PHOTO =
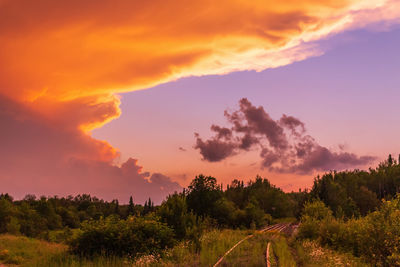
(348, 96)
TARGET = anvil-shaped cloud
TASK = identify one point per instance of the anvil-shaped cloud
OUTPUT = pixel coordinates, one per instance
(61, 62)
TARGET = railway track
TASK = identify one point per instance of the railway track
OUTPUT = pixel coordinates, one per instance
(277, 228)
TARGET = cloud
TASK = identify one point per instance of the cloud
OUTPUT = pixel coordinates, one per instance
(285, 145)
(214, 150)
(68, 49)
(62, 62)
(48, 156)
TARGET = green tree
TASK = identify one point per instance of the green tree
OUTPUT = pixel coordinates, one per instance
(6, 212)
(203, 193)
(116, 207)
(174, 212)
(131, 207)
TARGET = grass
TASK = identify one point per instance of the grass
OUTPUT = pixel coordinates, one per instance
(311, 254)
(19, 250)
(29, 252)
(272, 258)
(66, 260)
(214, 244)
(251, 252)
(282, 252)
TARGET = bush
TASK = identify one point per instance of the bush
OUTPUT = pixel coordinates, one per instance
(174, 212)
(314, 215)
(130, 237)
(375, 237)
(317, 210)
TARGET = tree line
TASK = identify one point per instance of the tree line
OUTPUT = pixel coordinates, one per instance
(94, 226)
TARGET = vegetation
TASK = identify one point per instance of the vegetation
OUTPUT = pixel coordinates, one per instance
(116, 237)
(311, 254)
(375, 237)
(250, 253)
(357, 193)
(281, 251)
(37, 217)
(350, 212)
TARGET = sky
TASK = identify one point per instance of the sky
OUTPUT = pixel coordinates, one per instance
(121, 98)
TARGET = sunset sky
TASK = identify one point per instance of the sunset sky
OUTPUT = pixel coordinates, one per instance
(120, 98)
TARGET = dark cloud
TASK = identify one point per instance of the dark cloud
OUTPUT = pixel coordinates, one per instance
(222, 132)
(293, 124)
(285, 145)
(182, 149)
(44, 156)
(257, 122)
(214, 150)
(320, 158)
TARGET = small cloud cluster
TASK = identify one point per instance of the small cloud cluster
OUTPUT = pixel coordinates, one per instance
(285, 145)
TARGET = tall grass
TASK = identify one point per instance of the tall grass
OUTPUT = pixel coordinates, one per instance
(26, 251)
(29, 252)
(282, 251)
(214, 244)
(67, 260)
(313, 255)
(249, 253)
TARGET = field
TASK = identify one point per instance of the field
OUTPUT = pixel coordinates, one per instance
(23, 251)
(284, 251)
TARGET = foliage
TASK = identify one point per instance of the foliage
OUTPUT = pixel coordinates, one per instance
(23, 251)
(130, 237)
(281, 250)
(174, 213)
(314, 214)
(203, 194)
(350, 210)
(375, 237)
(250, 252)
(355, 193)
(311, 254)
(36, 217)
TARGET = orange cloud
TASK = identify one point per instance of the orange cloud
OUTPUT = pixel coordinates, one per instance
(69, 49)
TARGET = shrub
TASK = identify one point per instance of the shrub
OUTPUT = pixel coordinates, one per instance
(308, 229)
(174, 213)
(317, 210)
(314, 215)
(375, 237)
(130, 237)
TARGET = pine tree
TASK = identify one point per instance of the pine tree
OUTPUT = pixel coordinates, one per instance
(131, 207)
(116, 210)
(390, 160)
(148, 206)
